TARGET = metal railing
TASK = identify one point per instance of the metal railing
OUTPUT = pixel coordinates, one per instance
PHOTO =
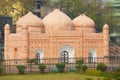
(32, 66)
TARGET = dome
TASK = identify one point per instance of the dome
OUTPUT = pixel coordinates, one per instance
(7, 26)
(83, 20)
(105, 26)
(30, 20)
(58, 21)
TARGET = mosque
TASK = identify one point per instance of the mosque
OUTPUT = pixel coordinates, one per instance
(55, 36)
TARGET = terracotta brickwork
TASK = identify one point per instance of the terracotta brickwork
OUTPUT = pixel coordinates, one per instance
(53, 34)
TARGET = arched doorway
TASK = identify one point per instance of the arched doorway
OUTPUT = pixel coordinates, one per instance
(39, 56)
(64, 56)
(67, 54)
(92, 56)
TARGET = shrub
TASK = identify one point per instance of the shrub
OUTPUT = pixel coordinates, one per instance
(60, 67)
(78, 67)
(42, 67)
(21, 69)
(89, 79)
(102, 67)
(80, 62)
(84, 68)
(1, 71)
(93, 73)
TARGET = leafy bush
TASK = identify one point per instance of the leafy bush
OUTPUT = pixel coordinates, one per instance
(60, 67)
(89, 79)
(1, 71)
(21, 69)
(84, 68)
(42, 67)
(102, 67)
(78, 67)
(80, 62)
(93, 72)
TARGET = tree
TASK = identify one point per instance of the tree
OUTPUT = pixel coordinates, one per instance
(16, 8)
(99, 11)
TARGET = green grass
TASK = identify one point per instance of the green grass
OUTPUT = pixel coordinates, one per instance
(47, 76)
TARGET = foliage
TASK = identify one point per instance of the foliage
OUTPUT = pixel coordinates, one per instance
(89, 79)
(116, 74)
(99, 11)
(84, 68)
(31, 61)
(42, 67)
(93, 72)
(107, 78)
(102, 67)
(78, 67)
(21, 69)
(80, 62)
(108, 74)
(60, 67)
(16, 8)
(1, 71)
(118, 69)
(118, 78)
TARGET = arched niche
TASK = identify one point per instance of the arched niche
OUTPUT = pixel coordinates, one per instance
(67, 54)
(92, 56)
(39, 56)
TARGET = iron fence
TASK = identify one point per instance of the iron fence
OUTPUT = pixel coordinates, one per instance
(32, 64)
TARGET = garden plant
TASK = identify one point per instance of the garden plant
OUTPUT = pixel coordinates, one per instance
(21, 69)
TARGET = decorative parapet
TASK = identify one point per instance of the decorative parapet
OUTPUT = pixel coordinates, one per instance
(67, 33)
(93, 36)
(38, 35)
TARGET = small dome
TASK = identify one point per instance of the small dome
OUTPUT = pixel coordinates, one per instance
(30, 20)
(83, 20)
(7, 26)
(105, 26)
(58, 21)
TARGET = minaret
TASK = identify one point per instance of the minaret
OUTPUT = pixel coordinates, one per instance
(6, 41)
(25, 41)
(106, 39)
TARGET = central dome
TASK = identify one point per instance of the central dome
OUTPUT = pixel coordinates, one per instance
(58, 21)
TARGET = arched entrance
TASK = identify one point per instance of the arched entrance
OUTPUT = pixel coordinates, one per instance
(67, 54)
(92, 56)
(39, 56)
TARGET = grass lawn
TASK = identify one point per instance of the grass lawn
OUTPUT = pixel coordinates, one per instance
(48, 76)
